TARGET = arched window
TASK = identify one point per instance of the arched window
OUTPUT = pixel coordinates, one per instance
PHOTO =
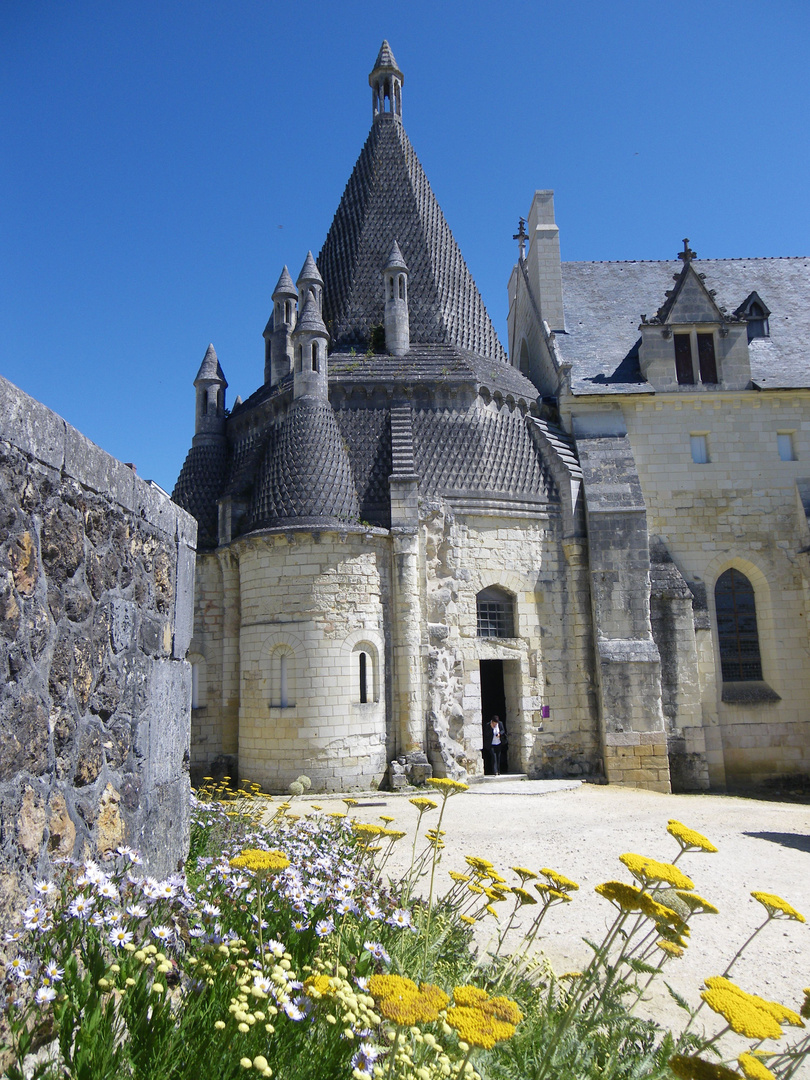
(364, 673)
(496, 614)
(390, 288)
(737, 627)
(314, 355)
(402, 286)
(299, 358)
(282, 677)
(288, 311)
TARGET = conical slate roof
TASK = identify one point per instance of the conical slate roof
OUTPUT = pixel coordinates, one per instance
(309, 271)
(395, 260)
(200, 484)
(306, 477)
(388, 198)
(385, 59)
(310, 317)
(209, 368)
(285, 286)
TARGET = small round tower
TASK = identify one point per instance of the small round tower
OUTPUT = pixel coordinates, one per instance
(278, 349)
(210, 386)
(310, 281)
(309, 342)
(386, 82)
(395, 283)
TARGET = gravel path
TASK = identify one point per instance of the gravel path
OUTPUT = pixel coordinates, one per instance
(580, 830)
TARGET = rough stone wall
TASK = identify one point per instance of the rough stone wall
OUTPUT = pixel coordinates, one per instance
(548, 662)
(96, 583)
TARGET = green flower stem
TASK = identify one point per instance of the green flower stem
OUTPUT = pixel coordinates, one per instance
(432, 876)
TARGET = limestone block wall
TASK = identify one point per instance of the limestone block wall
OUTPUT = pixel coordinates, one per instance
(547, 664)
(740, 509)
(96, 589)
(310, 604)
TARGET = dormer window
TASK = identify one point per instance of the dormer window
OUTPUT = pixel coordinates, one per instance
(756, 313)
(695, 345)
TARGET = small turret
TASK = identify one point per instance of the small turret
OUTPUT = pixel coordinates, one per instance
(278, 350)
(395, 283)
(310, 340)
(310, 281)
(386, 82)
(210, 384)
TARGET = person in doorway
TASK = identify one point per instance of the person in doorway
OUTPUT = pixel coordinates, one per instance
(496, 742)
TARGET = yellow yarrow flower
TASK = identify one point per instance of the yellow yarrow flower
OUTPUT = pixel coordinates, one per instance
(743, 1012)
(523, 895)
(688, 838)
(480, 1020)
(461, 878)
(363, 828)
(491, 910)
(468, 919)
(394, 834)
(649, 871)
(481, 866)
(776, 906)
(422, 803)
(629, 898)
(670, 947)
(387, 818)
(523, 873)
(805, 1009)
(559, 881)
(321, 984)
(754, 1069)
(260, 862)
(446, 785)
(551, 895)
(696, 903)
(404, 1003)
(695, 1068)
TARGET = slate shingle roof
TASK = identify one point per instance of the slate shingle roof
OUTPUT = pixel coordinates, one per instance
(388, 198)
(604, 302)
(199, 485)
(305, 477)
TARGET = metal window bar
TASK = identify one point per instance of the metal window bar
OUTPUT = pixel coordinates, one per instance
(494, 618)
(737, 628)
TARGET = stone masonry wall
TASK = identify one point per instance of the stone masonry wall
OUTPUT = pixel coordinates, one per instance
(96, 586)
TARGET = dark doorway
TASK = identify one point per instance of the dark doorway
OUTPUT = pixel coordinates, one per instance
(493, 703)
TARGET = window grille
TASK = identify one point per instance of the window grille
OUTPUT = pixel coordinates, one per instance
(495, 614)
(737, 627)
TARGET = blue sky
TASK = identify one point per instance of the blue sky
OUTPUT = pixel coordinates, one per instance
(163, 160)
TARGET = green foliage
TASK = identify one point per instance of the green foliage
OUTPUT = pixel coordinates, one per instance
(226, 972)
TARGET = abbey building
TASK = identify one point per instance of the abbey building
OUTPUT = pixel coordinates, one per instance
(602, 538)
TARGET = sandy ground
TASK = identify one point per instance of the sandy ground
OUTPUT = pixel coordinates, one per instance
(581, 831)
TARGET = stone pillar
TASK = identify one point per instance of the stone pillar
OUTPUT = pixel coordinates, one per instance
(407, 635)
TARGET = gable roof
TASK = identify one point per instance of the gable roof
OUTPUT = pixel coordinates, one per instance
(388, 198)
(604, 302)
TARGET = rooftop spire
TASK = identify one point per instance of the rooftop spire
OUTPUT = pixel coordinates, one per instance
(386, 81)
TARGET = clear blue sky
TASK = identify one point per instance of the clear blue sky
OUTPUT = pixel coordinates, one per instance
(162, 159)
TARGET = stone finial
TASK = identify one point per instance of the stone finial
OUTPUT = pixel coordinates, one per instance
(386, 81)
(687, 254)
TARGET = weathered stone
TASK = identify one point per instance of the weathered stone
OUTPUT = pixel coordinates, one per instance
(31, 824)
(107, 694)
(62, 544)
(162, 574)
(59, 675)
(61, 830)
(78, 605)
(82, 671)
(122, 634)
(24, 563)
(9, 607)
(24, 737)
(117, 742)
(37, 625)
(91, 758)
(109, 824)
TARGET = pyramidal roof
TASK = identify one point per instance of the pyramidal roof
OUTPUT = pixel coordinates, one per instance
(388, 198)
